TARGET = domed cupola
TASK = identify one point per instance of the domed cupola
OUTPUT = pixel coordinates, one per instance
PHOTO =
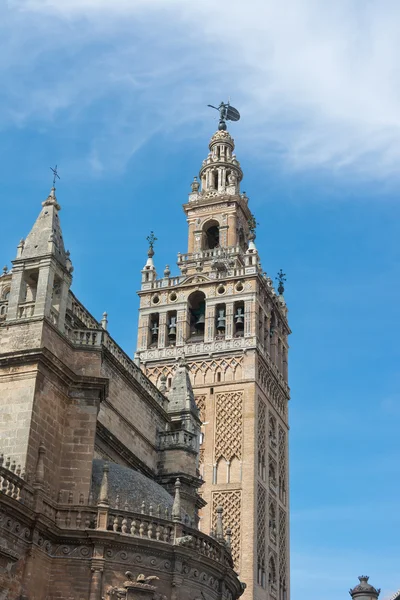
(364, 590)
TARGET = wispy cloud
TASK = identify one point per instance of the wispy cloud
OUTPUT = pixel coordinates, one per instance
(317, 83)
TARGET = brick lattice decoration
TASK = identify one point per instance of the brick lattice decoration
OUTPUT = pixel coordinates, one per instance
(231, 503)
(229, 425)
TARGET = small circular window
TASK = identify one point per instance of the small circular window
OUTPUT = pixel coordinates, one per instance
(239, 287)
(221, 290)
(156, 299)
(173, 297)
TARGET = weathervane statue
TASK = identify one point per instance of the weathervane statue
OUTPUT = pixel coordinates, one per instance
(226, 113)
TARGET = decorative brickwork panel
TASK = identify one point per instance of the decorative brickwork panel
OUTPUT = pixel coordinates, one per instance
(282, 543)
(272, 524)
(201, 405)
(231, 503)
(282, 464)
(272, 387)
(229, 425)
(261, 438)
(261, 523)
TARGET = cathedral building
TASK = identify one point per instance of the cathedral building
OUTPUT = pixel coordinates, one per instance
(164, 477)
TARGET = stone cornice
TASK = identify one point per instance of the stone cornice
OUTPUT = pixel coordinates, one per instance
(44, 358)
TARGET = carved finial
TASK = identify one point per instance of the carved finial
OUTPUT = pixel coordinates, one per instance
(228, 539)
(103, 497)
(39, 474)
(176, 508)
(104, 321)
(167, 272)
(195, 184)
(13, 466)
(5, 270)
(8, 463)
(219, 529)
(281, 278)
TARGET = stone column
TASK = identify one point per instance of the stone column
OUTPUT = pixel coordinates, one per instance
(248, 318)
(44, 290)
(96, 582)
(162, 330)
(143, 336)
(182, 327)
(209, 331)
(15, 293)
(229, 328)
(65, 285)
(232, 230)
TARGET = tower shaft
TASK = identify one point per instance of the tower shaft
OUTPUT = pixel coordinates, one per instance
(223, 315)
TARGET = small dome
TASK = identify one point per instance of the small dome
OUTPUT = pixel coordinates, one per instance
(364, 589)
(222, 136)
(131, 487)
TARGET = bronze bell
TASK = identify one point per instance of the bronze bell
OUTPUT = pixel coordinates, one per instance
(201, 320)
(221, 319)
(172, 327)
(239, 316)
(154, 328)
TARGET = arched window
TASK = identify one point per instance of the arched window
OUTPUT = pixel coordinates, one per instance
(211, 235)
(197, 310)
(271, 571)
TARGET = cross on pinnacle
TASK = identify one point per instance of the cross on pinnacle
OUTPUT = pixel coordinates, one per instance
(151, 239)
(55, 175)
(281, 278)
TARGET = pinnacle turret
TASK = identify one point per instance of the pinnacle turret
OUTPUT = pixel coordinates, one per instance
(45, 237)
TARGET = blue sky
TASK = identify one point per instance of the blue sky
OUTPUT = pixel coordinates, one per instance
(115, 93)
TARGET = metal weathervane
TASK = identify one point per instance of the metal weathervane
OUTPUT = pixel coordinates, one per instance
(226, 113)
(55, 175)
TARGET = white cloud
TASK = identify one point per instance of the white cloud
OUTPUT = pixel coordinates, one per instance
(317, 83)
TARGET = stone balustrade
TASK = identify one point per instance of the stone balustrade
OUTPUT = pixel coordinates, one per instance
(148, 523)
(26, 310)
(169, 439)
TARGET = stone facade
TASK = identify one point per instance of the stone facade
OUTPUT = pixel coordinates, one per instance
(224, 317)
(99, 473)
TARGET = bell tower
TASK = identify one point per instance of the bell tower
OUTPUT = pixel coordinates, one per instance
(224, 317)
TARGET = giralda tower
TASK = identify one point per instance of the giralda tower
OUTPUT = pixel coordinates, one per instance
(224, 317)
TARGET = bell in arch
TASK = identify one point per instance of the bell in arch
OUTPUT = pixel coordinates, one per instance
(154, 330)
(172, 328)
(239, 317)
(201, 320)
(221, 319)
